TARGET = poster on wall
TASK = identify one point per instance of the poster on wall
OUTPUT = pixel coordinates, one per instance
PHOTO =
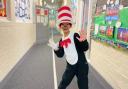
(112, 10)
(96, 29)
(122, 34)
(99, 6)
(23, 10)
(124, 3)
(110, 30)
(103, 29)
(2, 8)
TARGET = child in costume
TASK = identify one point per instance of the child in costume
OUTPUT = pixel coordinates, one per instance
(73, 46)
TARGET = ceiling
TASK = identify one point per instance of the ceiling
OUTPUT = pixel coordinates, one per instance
(56, 2)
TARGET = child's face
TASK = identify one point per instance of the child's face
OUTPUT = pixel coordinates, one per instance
(65, 27)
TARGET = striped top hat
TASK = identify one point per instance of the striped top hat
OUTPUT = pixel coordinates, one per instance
(64, 15)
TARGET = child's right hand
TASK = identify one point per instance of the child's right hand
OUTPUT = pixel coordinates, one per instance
(52, 44)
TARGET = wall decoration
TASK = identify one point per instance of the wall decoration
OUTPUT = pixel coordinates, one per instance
(102, 30)
(109, 31)
(3, 8)
(23, 9)
(122, 34)
(115, 17)
(112, 10)
(124, 3)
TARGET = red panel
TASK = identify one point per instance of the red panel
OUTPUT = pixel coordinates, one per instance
(38, 11)
(46, 12)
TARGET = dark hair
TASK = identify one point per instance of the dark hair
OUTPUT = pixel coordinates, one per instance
(62, 23)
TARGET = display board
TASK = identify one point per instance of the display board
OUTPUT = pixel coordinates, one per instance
(108, 19)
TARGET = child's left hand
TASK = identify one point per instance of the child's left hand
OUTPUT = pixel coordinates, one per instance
(83, 35)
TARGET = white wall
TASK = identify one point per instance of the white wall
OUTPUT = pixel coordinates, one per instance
(15, 41)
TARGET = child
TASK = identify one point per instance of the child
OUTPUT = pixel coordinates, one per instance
(73, 46)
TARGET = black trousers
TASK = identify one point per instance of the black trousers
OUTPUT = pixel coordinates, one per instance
(80, 70)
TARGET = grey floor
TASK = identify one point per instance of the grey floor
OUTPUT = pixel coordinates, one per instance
(95, 80)
(36, 72)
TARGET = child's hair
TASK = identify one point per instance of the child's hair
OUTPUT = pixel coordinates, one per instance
(62, 23)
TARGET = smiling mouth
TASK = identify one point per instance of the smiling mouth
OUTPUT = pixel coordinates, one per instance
(65, 29)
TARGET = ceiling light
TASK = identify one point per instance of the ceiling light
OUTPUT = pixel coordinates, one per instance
(52, 1)
(65, 2)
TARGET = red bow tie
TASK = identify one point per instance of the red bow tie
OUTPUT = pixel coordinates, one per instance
(65, 42)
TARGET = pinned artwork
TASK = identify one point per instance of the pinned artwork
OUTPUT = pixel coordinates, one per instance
(22, 9)
(122, 34)
(102, 30)
(109, 31)
(3, 8)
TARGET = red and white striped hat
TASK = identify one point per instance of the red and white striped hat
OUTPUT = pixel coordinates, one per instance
(64, 15)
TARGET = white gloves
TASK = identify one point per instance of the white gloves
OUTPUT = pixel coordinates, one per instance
(53, 45)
